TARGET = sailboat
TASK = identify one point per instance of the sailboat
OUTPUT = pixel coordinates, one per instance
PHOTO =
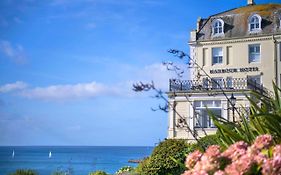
(50, 154)
(13, 154)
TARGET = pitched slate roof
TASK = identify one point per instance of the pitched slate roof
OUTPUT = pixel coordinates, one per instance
(236, 22)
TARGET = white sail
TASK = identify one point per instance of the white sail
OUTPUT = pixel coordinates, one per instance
(13, 154)
(50, 154)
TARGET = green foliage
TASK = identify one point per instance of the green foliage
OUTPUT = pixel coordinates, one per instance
(125, 170)
(58, 173)
(142, 166)
(265, 118)
(205, 142)
(24, 172)
(98, 173)
(61, 171)
(165, 159)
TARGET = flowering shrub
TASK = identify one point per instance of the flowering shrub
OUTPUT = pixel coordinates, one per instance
(240, 158)
(124, 170)
(98, 173)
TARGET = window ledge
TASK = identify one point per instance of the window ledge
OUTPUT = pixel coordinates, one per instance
(255, 62)
(256, 31)
(217, 64)
(218, 35)
(207, 129)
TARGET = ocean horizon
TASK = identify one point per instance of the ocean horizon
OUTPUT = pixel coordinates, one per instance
(78, 160)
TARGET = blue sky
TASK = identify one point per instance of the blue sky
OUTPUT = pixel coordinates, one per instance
(67, 67)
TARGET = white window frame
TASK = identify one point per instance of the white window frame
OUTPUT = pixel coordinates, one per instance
(205, 120)
(253, 28)
(218, 27)
(255, 53)
(218, 58)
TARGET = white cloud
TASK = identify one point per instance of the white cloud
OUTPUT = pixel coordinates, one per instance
(15, 53)
(159, 74)
(64, 92)
(13, 87)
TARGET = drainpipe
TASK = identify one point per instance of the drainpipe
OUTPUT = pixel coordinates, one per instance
(275, 59)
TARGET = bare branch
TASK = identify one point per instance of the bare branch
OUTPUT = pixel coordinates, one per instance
(139, 87)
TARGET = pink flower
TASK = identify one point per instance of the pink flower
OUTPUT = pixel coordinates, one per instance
(213, 152)
(241, 166)
(220, 172)
(192, 158)
(262, 142)
(201, 172)
(235, 151)
(277, 151)
(260, 158)
(194, 172)
(276, 162)
(239, 157)
(272, 167)
(207, 166)
(267, 167)
(209, 161)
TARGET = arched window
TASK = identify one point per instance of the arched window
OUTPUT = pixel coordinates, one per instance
(218, 25)
(254, 23)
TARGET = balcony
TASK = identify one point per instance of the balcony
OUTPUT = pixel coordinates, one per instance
(237, 84)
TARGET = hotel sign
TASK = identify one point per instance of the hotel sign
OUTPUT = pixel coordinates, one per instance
(234, 70)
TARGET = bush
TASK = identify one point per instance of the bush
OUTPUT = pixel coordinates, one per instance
(98, 173)
(162, 160)
(24, 172)
(58, 173)
(205, 142)
(125, 170)
(142, 166)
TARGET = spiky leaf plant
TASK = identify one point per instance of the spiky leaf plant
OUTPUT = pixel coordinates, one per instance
(264, 118)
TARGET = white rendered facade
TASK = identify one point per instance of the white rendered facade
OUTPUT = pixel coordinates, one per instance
(240, 49)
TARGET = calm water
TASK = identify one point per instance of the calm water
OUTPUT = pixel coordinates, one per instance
(79, 160)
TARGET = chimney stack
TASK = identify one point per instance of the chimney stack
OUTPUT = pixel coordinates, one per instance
(199, 20)
(251, 2)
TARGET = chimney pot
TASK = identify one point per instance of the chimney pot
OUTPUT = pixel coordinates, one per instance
(251, 2)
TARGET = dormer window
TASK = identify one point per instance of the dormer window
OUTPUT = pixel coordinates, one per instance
(218, 25)
(254, 23)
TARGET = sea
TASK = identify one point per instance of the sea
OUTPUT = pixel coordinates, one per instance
(74, 160)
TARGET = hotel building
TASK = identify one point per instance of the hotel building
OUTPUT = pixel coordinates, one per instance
(239, 50)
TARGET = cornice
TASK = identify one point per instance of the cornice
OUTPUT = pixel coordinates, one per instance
(236, 40)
